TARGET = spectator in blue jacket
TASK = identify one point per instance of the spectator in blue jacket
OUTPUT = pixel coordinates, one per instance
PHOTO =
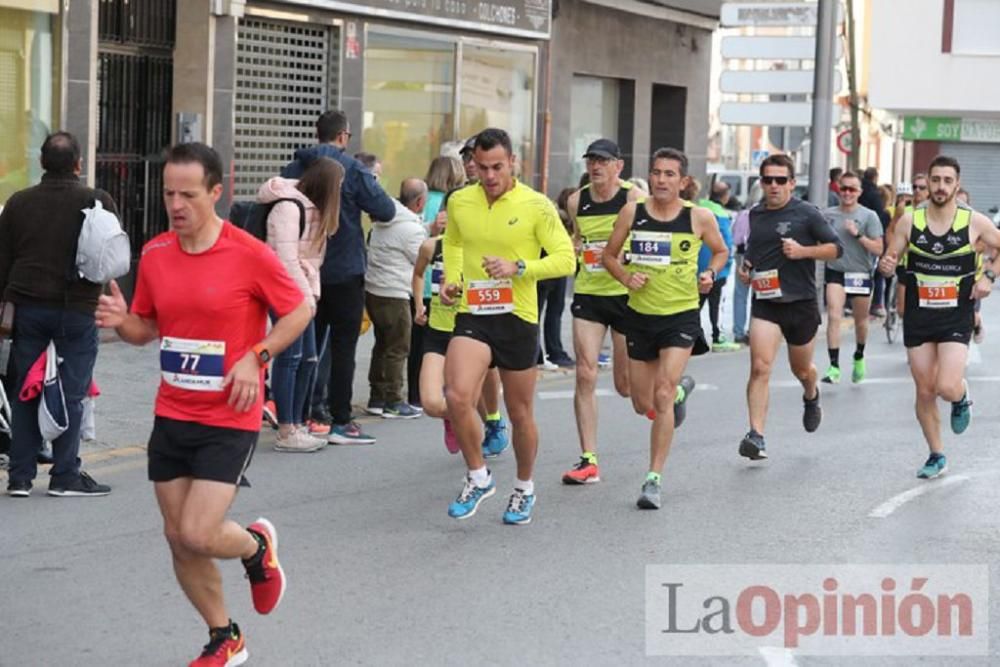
(714, 297)
(342, 275)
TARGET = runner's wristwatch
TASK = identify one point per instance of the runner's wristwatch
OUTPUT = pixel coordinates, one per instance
(990, 275)
(521, 267)
(262, 354)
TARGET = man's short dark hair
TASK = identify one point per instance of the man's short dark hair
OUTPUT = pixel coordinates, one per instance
(492, 137)
(848, 174)
(60, 153)
(945, 161)
(330, 124)
(203, 155)
(668, 153)
(836, 174)
(778, 160)
(871, 174)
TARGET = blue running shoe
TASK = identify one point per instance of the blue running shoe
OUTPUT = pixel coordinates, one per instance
(496, 440)
(468, 500)
(935, 467)
(519, 508)
(961, 415)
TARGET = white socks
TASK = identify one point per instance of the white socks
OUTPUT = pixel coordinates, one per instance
(528, 487)
(480, 477)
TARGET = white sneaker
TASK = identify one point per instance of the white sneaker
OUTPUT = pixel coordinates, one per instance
(548, 366)
(298, 441)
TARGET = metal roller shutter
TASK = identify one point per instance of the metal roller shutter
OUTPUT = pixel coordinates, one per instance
(980, 167)
(287, 74)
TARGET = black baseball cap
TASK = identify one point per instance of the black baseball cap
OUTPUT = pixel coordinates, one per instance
(469, 145)
(604, 148)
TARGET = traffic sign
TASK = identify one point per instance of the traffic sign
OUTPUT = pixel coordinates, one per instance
(781, 82)
(756, 157)
(733, 14)
(768, 113)
(845, 142)
(773, 48)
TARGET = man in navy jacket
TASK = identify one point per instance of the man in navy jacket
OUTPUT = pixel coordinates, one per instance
(342, 297)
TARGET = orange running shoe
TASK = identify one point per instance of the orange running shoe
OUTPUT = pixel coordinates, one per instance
(317, 428)
(267, 579)
(270, 414)
(225, 648)
(584, 472)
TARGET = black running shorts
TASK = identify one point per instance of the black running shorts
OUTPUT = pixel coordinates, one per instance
(436, 342)
(798, 320)
(607, 310)
(188, 449)
(512, 341)
(831, 277)
(918, 330)
(648, 334)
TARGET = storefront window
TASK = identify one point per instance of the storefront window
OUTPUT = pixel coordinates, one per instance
(409, 103)
(498, 90)
(28, 92)
(593, 115)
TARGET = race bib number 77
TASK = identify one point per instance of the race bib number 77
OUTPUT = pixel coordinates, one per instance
(195, 365)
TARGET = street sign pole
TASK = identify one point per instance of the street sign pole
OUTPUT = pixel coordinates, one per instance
(822, 112)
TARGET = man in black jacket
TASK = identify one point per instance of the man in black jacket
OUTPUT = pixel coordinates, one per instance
(39, 228)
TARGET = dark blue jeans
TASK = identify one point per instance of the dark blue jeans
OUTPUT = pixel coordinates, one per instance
(75, 336)
(292, 376)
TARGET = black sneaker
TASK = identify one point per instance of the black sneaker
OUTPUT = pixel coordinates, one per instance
(752, 446)
(18, 489)
(812, 414)
(84, 485)
(322, 415)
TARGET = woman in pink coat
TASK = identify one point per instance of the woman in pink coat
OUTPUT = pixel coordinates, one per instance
(294, 370)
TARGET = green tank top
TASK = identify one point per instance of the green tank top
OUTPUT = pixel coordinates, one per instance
(442, 317)
(595, 221)
(667, 252)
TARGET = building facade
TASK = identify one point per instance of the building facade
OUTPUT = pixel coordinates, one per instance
(935, 94)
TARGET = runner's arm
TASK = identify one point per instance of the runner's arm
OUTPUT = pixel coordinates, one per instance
(898, 242)
(417, 282)
(871, 236)
(985, 230)
(708, 229)
(572, 206)
(611, 258)
(560, 260)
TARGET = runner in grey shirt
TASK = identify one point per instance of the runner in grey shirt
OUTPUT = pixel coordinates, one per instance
(850, 275)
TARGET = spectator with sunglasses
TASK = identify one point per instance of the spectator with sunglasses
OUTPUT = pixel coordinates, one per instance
(787, 236)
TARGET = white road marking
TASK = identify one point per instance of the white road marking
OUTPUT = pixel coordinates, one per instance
(568, 393)
(775, 656)
(897, 501)
(973, 379)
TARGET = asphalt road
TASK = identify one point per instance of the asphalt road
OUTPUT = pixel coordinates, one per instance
(379, 575)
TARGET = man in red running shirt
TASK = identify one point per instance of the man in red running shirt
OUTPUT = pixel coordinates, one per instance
(204, 289)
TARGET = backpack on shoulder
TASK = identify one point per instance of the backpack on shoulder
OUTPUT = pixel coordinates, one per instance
(103, 251)
(251, 217)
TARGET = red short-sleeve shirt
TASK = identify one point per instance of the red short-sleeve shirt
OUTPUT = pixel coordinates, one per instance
(210, 309)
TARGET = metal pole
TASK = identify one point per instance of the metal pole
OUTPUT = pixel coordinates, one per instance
(822, 112)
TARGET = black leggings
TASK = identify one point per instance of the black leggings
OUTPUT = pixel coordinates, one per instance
(714, 298)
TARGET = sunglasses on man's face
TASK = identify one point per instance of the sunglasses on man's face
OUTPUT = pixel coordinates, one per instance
(849, 188)
(919, 187)
(769, 180)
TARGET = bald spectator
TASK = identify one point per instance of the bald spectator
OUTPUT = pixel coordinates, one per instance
(393, 249)
(722, 196)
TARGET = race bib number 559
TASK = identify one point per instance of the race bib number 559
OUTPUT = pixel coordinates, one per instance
(195, 365)
(490, 297)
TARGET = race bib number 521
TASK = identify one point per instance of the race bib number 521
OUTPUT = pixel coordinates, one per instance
(195, 365)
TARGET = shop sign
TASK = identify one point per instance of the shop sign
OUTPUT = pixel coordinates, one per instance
(511, 18)
(944, 128)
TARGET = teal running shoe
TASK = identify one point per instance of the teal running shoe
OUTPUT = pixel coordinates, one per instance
(468, 500)
(961, 415)
(935, 467)
(496, 439)
(519, 508)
